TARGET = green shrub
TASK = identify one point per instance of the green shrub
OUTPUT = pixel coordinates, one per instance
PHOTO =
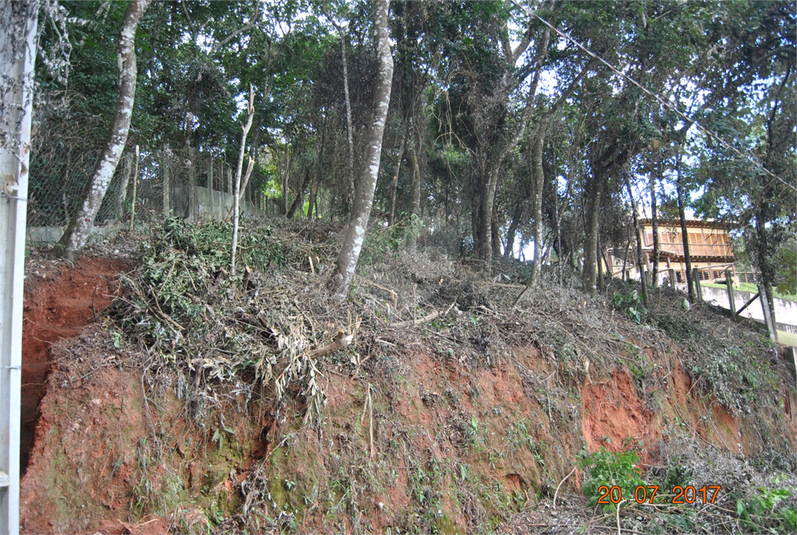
(379, 241)
(764, 511)
(631, 304)
(609, 469)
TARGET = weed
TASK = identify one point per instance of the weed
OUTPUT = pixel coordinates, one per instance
(763, 511)
(519, 436)
(379, 241)
(494, 458)
(610, 469)
(631, 304)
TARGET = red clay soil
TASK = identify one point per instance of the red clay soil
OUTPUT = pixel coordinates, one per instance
(612, 412)
(60, 299)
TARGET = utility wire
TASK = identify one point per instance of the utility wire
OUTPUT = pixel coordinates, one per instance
(660, 99)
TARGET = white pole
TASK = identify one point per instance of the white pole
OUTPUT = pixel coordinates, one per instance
(17, 59)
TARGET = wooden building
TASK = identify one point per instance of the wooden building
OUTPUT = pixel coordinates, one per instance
(709, 249)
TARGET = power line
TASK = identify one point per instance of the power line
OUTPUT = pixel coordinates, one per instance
(660, 99)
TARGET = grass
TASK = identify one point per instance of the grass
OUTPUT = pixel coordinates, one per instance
(787, 339)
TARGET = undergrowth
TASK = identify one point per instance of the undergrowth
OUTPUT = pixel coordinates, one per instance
(190, 311)
(256, 335)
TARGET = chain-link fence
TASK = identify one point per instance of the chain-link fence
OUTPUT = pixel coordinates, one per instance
(185, 182)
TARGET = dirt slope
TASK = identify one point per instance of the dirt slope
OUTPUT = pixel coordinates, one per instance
(203, 412)
(60, 299)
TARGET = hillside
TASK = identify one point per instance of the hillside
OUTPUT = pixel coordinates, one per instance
(432, 401)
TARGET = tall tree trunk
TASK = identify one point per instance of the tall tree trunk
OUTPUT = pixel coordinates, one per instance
(594, 194)
(285, 182)
(317, 172)
(18, 21)
(249, 169)
(415, 187)
(392, 217)
(764, 257)
(312, 200)
(122, 191)
(486, 216)
(654, 272)
(349, 127)
(514, 223)
(495, 237)
(192, 212)
(415, 204)
(491, 167)
(599, 277)
(166, 169)
(364, 198)
(299, 196)
(638, 234)
(625, 258)
(537, 183)
(236, 201)
(684, 233)
(79, 227)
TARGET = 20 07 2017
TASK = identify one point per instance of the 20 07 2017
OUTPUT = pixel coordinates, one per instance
(645, 494)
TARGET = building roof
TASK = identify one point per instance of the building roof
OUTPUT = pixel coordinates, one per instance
(693, 223)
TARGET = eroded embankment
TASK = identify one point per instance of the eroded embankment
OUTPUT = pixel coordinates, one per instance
(60, 299)
(415, 439)
(213, 403)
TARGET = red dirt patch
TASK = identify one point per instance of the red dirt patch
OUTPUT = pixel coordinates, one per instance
(612, 413)
(86, 447)
(60, 299)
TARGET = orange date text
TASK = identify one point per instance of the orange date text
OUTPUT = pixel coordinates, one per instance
(680, 495)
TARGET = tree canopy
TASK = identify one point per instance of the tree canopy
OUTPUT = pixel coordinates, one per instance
(513, 127)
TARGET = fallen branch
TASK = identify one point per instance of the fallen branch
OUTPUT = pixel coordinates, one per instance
(418, 321)
(341, 341)
(393, 294)
(519, 296)
(555, 494)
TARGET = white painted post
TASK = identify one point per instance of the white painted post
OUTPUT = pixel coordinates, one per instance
(17, 60)
(696, 282)
(768, 319)
(729, 286)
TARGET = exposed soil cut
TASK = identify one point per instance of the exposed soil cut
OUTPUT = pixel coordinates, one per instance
(612, 413)
(172, 416)
(60, 299)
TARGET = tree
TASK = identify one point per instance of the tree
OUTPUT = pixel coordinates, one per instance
(80, 224)
(364, 190)
(746, 164)
(481, 108)
(236, 202)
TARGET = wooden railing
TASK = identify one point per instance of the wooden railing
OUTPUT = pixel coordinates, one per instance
(719, 250)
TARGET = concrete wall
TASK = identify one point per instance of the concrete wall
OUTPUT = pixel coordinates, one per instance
(53, 234)
(785, 311)
(212, 204)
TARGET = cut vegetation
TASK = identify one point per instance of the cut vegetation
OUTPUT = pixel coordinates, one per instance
(428, 402)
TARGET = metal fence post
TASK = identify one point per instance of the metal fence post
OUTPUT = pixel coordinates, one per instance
(696, 282)
(17, 60)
